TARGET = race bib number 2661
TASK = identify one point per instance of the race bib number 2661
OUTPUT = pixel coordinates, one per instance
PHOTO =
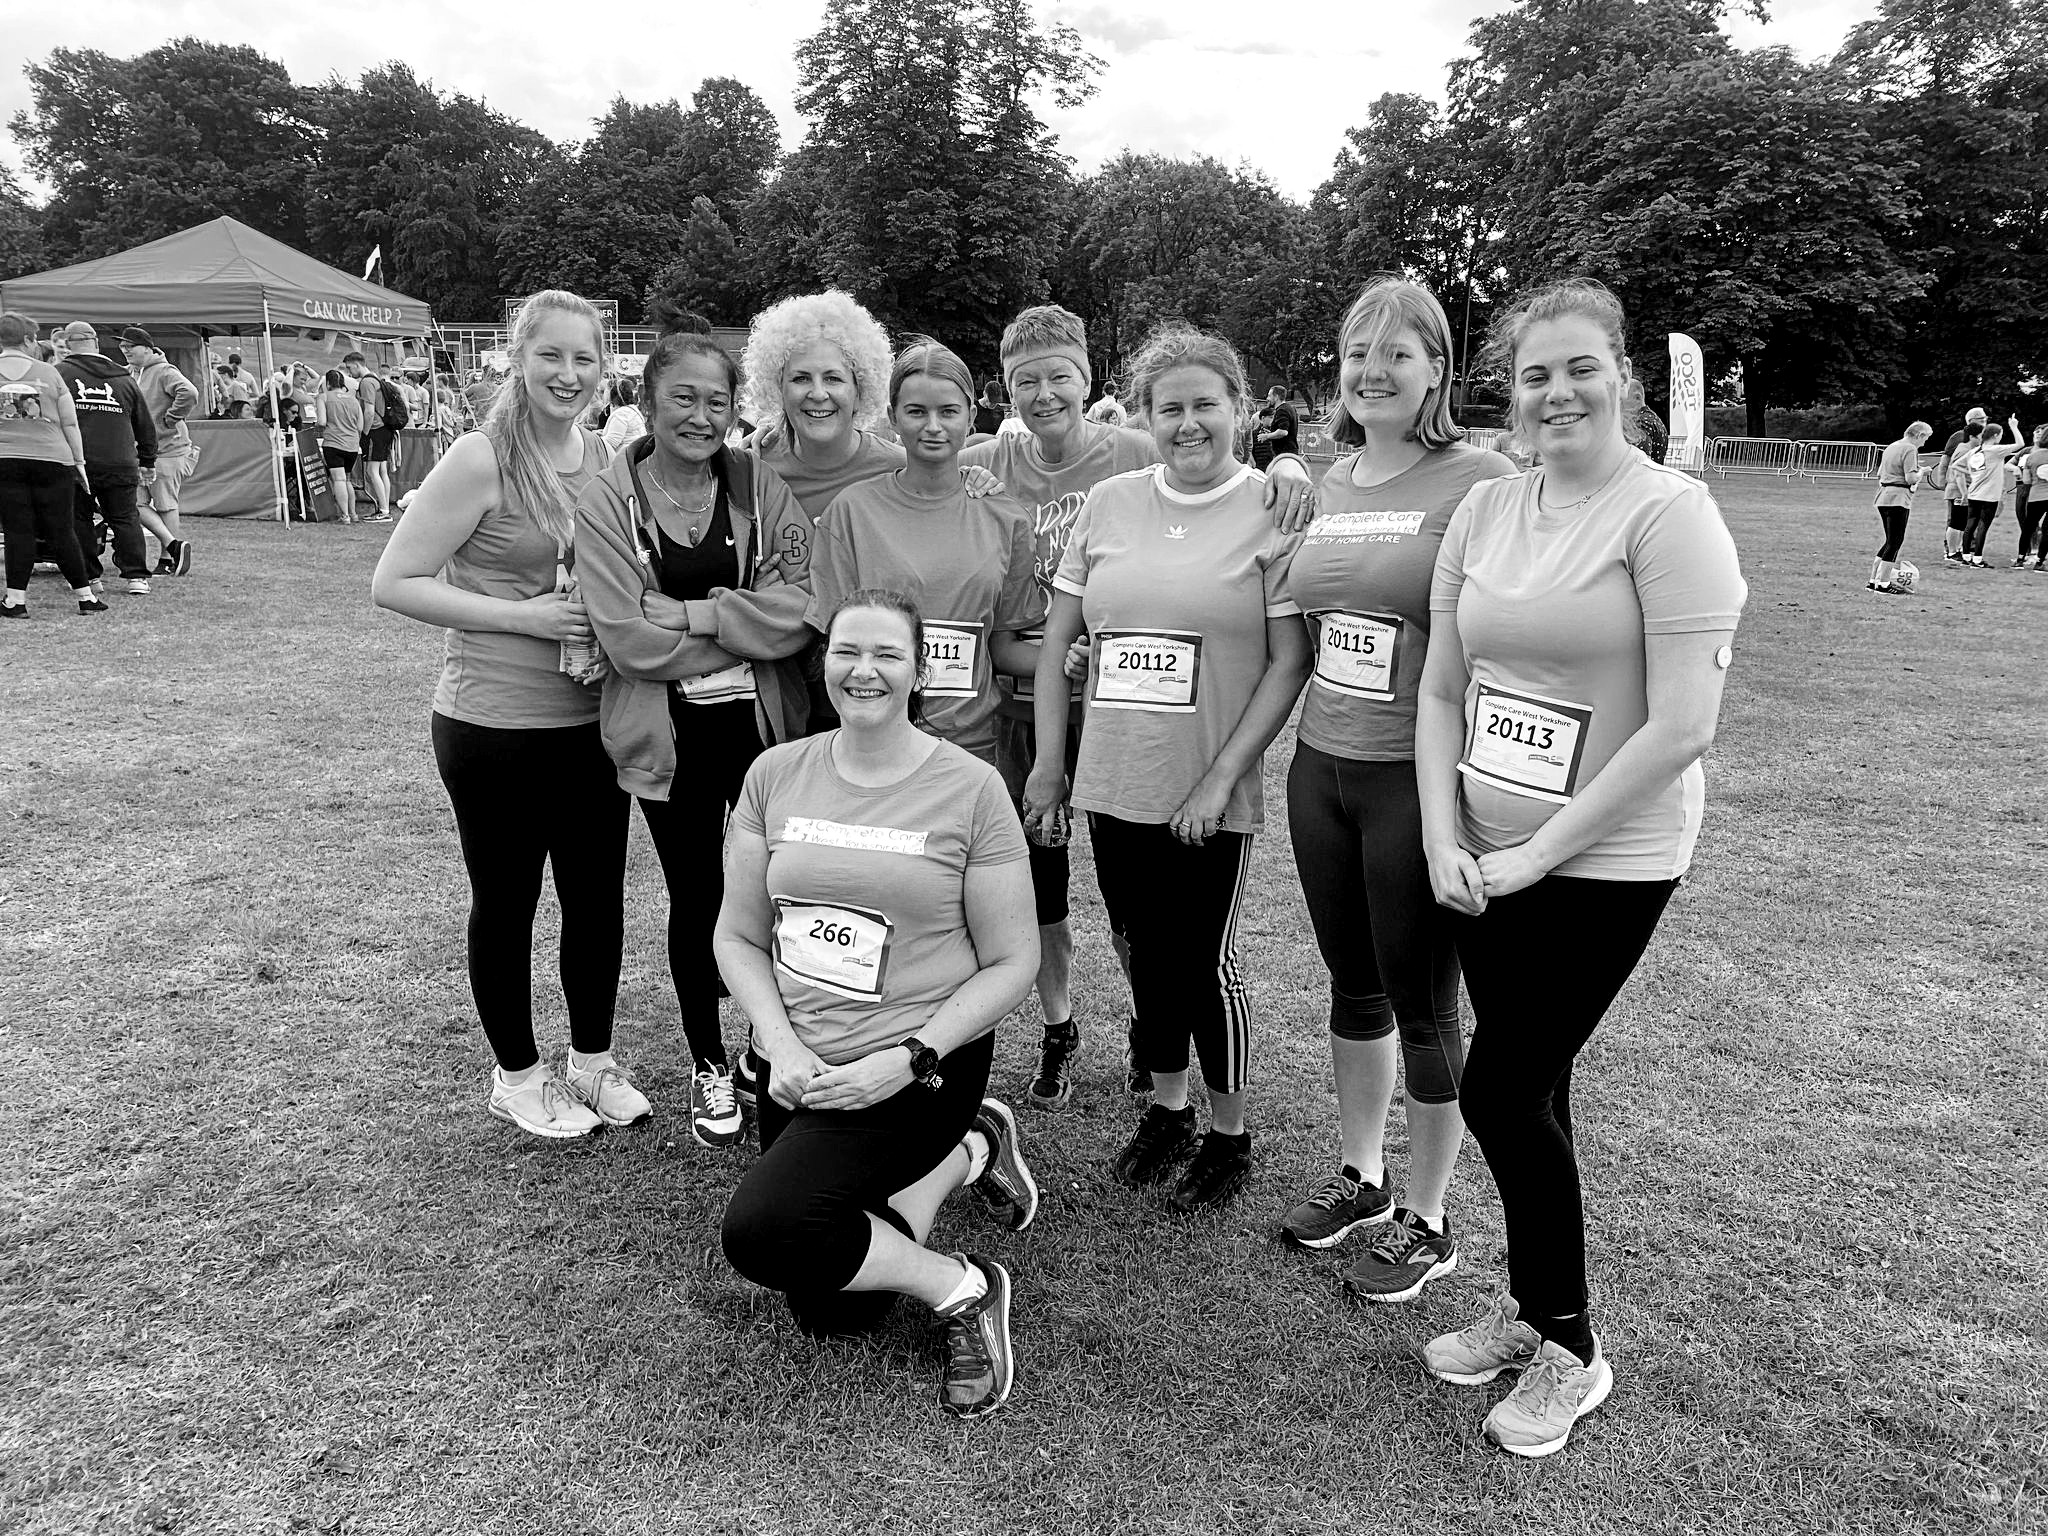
(1526, 744)
(834, 947)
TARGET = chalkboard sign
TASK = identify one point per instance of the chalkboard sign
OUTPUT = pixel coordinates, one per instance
(320, 498)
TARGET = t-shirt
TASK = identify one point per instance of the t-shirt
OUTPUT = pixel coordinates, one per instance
(815, 489)
(1948, 456)
(1987, 475)
(343, 427)
(1288, 426)
(1362, 576)
(966, 565)
(1897, 470)
(31, 395)
(869, 930)
(1053, 493)
(2037, 458)
(1552, 608)
(372, 399)
(1175, 591)
(489, 677)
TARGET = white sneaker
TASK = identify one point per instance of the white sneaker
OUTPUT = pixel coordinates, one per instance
(714, 1108)
(138, 586)
(541, 1106)
(608, 1092)
(1557, 1389)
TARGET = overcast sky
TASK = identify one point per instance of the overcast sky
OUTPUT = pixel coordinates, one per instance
(1182, 76)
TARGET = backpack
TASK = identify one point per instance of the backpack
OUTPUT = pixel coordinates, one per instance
(395, 413)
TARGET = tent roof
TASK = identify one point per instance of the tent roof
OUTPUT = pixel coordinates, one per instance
(219, 276)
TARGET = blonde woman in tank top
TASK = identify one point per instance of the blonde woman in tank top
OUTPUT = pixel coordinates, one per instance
(487, 551)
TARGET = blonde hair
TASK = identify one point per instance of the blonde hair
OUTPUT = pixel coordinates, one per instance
(924, 356)
(523, 467)
(1176, 344)
(832, 318)
(1582, 296)
(1385, 305)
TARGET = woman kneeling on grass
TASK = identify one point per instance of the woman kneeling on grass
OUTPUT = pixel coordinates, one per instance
(485, 551)
(877, 923)
(1197, 655)
(1581, 615)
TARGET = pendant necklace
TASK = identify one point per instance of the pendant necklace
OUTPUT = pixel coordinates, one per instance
(692, 533)
(1573, 506)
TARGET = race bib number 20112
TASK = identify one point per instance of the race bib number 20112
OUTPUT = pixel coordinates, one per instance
(1526, 744)
(1148, 669)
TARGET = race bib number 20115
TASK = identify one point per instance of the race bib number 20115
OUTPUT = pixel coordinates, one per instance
(1356, 653)
(1148, 669)
(1526, 744)
(838, 949)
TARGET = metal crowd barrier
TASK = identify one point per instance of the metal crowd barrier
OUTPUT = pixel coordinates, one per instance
(1753, 456)
(1852, 461)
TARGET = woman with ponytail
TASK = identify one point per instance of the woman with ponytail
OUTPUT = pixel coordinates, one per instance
(488, 551)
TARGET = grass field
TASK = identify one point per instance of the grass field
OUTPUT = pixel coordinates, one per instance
(267, 1265)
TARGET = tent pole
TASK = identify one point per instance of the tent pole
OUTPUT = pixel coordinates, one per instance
(284, 506)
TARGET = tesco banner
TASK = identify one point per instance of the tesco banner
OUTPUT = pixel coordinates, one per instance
(1687, 448)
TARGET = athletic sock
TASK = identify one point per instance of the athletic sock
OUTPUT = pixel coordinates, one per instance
(84, 593)
(1436, 1227)
(1875, 567)
(1063, 1029)
(520, 1078)
(972, 1287)
(17, 597)
(1886, 570)
(977, 1160)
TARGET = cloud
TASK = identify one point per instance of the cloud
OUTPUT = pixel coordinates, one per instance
(1291, 47)
(1119, 28)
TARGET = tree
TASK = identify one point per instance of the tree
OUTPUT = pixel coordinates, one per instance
(709, 275)
(729, 144)
(21, 229)
(135, 149)
(1746, 200)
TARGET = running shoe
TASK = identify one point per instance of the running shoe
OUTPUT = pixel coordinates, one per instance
(1475, 1355)
(92, 603)
(747, 1071)
(179, 553)
(714, 1108)
(1557, 1389)
(607, 1092)
(1051, 1086)
(1953, 557)
(542, 1106)
(138, 586)
(1162, 1138)
(1137, 1079)
(1005, 1186)
(1402, 1258)
(1221, 1169)
(165, 565)
(2019, 562)
(13, 610)
(1334, 1209)
(979, 1365)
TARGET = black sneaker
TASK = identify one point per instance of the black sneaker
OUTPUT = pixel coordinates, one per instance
(1334, 1209)
(181, 562)
(1163, 1138)
(1137, 1079)
(746, 1076)
(165, 565)
(91, 603)
(1005, 1186)
(1221, 1167)
(1050, 1085)
(979, 1364)
(1402, 1259)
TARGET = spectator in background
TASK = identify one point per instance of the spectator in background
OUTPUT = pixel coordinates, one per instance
(1279, 429)
(1958, 494)
(171, 400)
(1108, 410)
(625, 421)
(248, 385)
(233, 397)
(42, 462)
(120, 449)
(991, 408)
(378, 439)
(419, 399)
(478, 394)
(341, 436)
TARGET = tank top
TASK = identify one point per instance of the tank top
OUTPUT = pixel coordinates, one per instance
(514, 682)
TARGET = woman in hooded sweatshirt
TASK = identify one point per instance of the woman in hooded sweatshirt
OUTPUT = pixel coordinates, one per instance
(696, 569)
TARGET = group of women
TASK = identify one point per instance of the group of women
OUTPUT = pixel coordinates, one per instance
(1973, 473)
(838, 673)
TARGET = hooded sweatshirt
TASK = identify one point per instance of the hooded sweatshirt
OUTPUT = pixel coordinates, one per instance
(120, 436)
(760, 621)
(170, 398)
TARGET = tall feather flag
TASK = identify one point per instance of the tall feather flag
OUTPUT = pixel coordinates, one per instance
(376, 255)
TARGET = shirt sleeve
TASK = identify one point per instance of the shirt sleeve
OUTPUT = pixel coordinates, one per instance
(750, 815)
(1022, 602)
(1280, 603)
(1072, 576)
(996, 836)
(832, 568)
(1448, 580)
(1685, 569)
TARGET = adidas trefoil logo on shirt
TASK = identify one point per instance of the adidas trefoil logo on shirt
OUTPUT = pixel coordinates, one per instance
(1177, 531)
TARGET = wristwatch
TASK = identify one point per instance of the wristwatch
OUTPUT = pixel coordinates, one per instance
(924, 1062)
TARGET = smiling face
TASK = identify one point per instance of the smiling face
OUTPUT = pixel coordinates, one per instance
(820, 396)
(561, 365)
(1049, 390)
(1194, 426)
(1569, 387)
(691, 409)
(1386, 386)
(932, 416)
(871, 665)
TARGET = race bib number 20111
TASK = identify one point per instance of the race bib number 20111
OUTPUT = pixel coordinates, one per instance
(1148, 669)
(949, 654)
(1526, 744)
(838, 949)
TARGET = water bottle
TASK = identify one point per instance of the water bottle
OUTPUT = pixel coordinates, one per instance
(582, 661)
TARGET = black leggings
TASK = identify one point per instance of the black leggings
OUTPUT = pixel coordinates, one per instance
(1176, 907)
(2032, 515)
(1982, 515)
(1357, 831)
(715, 744)
(1541, 967)
(35, 507)
(526, 800)
(798, 1223)
(1894, 520)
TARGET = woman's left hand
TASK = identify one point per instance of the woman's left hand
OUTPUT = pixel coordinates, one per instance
(1290, 495)
(875, 1077)
(667, 612)
(1201, 813)
(980, 481)
(1510, 870)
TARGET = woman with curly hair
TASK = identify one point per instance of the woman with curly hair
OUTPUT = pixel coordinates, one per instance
(817, 379)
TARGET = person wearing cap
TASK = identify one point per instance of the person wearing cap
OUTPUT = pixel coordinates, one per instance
(120, 448)
(171, 399)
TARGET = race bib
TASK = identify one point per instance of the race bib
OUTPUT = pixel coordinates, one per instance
(1356, 652)
(1526, 744)
(949, 654)
(727, 683)
(1158, 670)
(841, 950)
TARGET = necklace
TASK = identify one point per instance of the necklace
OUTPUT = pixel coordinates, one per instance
(692, 533)
(1573, 506)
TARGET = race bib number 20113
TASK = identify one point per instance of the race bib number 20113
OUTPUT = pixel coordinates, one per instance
(1148, 669)
(838, 949)
(1526, 744)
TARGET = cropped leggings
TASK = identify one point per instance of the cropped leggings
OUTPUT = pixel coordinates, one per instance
(1357, 831)
(527, 801)
(1541, 967)
(798, 1222)
(1894, 520)
(1982, 515)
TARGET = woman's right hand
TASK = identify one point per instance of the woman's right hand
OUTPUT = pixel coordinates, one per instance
(555, 616)
(1455, 879)
(790, 1072)
(1044, 793)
